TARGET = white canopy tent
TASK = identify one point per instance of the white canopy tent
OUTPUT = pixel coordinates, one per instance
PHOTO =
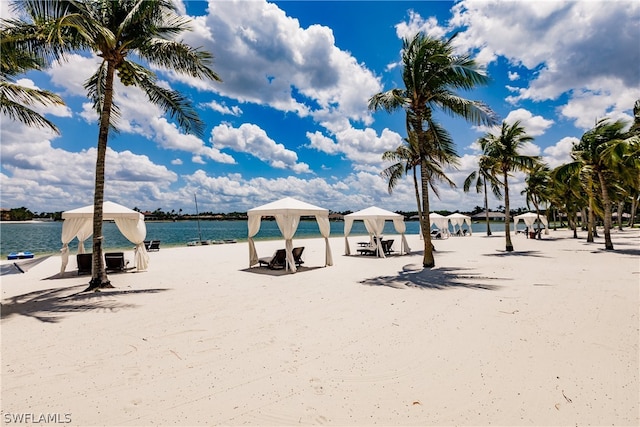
(441, 222)
(287, 213)
(79, 223)
(457, 220)
(529, 219)
(374, 219)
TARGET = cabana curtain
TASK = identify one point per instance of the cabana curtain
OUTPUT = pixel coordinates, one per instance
(529, 219)
(78, 223)
(287, 213)
(374, 219)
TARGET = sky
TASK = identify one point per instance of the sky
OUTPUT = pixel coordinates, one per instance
(290, 117)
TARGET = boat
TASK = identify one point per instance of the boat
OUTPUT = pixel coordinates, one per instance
(20, 255)
(230, 241)
(198, 241)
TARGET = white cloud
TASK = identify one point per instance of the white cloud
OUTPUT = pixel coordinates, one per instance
(251, 139)
(417, 24)
(584, 49)
(222, 108)
(533, 125)
(267, 58)
(361, 146)
(512, 75)
(560, 153)
(45, 178)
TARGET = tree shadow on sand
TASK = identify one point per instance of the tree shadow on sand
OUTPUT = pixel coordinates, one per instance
(49, 305)
(415, 276)
(278, 271)
(536, 254)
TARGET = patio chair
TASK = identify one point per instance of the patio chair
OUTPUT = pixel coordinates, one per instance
(297, 255)
(387, 246)
(278, 260)
(154, 245)
(85, 263)
(114, 262)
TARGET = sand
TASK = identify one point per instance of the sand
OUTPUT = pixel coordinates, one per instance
(546, 335)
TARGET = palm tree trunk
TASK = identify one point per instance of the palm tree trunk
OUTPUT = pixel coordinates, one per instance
(99, 277)
(507, 215)
(608, 244)
(591, 223)
(424, 222)
(634, 209)
(486, 207)
(428, 260)
(620, 212)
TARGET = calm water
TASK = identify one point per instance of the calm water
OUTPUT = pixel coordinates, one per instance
(44, 237)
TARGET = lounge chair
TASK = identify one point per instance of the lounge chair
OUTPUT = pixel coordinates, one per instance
(297, 255)
(85, 263)
(154, 245)
(387, 246)
(114, 261)
(278, 260)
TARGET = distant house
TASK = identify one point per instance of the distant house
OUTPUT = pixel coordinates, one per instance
(336, 217)
(5, 214)
(493, 216)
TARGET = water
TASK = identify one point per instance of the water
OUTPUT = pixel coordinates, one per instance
(44, 237)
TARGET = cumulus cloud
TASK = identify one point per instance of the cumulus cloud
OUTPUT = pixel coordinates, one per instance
(268, 58)
(222, 108)
(533, 125)
(585, 49)
(48, 178)
(418, 24)
(362, 146)
(252, 139)
(559, 153)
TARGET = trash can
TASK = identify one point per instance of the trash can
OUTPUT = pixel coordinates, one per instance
(532, 234)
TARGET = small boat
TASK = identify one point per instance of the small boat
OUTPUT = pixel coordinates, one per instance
(20, 255)
(230, 241)
(198, 242)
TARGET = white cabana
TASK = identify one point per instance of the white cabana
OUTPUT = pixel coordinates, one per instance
(374, 219)
(529, 219)
(287, 213)
(457, 220)
(441, 222)
(79, 223)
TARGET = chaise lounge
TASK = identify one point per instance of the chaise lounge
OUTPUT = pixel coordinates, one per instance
(114, 262)
(85, 263)
(277, 260)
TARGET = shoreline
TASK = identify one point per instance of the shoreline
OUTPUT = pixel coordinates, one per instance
(545, 335)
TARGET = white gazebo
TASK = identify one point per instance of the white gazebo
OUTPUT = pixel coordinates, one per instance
(374, 219)
(79, 223)
(457, 220)
(529, 219)
(442, 222)
(287, 213)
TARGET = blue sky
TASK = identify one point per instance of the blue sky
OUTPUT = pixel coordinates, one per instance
(290, 117)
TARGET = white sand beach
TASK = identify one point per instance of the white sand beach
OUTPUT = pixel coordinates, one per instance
(546, 335)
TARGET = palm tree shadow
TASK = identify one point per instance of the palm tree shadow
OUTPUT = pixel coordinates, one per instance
(49, 305)
(517, 253)
(415, 276)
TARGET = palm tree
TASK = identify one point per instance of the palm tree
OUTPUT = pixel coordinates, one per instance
(406, 158)
(597, 163)
(431, 74)
(504, 149)
(16, 99)
(484, 173)
(538, 187)
(125, 34)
